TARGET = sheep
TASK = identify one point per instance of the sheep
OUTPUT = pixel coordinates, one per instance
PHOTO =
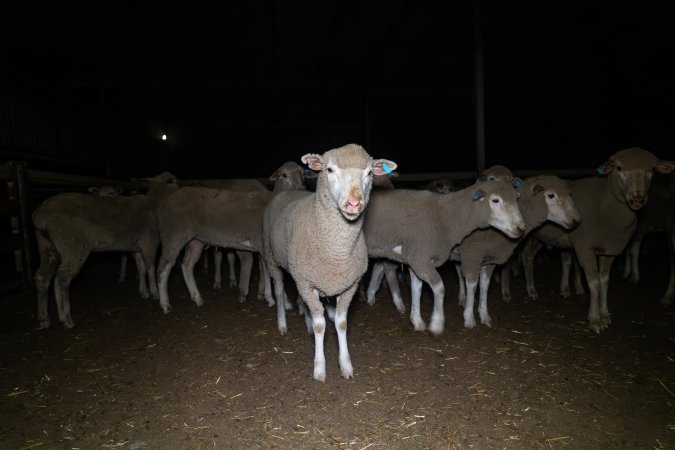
(289, 176)
(608, 204)
(114, 191)
(318, 238)
(196, 216)
(542, 198)
(70, 226)
(388, 269)
(420, 228)
(657, 215)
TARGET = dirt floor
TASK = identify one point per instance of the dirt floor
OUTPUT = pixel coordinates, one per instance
(221, 376)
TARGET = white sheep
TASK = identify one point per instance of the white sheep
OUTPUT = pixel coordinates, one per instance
(70, 226)
(317, 237)
(607, 203)
(420, 228)
(195, 216)
(542, 198)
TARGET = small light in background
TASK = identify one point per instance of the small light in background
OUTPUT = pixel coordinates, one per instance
(164, 137)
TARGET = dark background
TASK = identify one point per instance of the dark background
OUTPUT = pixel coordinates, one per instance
(241, 87)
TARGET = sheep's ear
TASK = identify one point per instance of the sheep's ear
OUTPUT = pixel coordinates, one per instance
(382, 166)
(314, 161)
(93, 190)
(664, 166)
(516, 182)
(537, 188)
(606, 167)
(274, 176)
(478, 194)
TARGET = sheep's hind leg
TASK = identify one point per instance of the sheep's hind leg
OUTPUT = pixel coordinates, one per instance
(193, 251)
(43, 280)
(485, 275)
(416, 294)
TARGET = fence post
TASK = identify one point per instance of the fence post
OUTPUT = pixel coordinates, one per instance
(17, 191)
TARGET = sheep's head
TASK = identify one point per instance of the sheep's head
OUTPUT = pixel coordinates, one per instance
(497, 172)
(557, 195)
(290, 176)
(106, 191)
(630, 174)
(346, 177)
(502, 201)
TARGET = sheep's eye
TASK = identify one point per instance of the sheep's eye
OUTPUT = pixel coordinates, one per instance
(283, 175)
(551, 195)
(329, 169)
(370, 173)
(619, 168)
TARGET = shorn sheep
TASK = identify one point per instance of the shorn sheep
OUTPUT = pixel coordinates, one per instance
(608, 204)
(542, 198)
(317, 237)
(70, 226)
(195, 216)
(420, 228)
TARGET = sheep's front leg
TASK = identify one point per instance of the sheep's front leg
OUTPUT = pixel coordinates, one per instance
(566, 262)
(589, 263)
(529, 252)
(342, 305)
(605, 269)
(471, 280)
(311, 298)
(505, 272)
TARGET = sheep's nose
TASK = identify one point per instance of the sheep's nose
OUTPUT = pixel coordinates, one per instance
(520, 230)
(353, 202)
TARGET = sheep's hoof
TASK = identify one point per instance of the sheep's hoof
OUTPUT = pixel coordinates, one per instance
(400, 309)
(198, 301)
(217, 286)
(242, 298)
(167, 309)
(532, 294)
(233, 283)
(487, 321)
(44, 324)
(371, 301)
(145, 294)
(506, 298)
(419, 325)
(437, 326)
(68, 323)
(320, 372)
(565, 292)
(283, 330)
(469, 323)
(667, 301)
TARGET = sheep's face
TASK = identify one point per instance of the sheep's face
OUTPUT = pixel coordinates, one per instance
(443, 186)
(290, 176)
(346, 177)
(630, 174)
(502, 201)
(496, 173)
(559, 204)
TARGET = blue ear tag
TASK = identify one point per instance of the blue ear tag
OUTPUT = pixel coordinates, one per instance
(386, 168)
(516, 182)
(602, 169)
(476, 195)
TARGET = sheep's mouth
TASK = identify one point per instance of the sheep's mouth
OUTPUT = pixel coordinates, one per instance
(350, 215)
(636, 204)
